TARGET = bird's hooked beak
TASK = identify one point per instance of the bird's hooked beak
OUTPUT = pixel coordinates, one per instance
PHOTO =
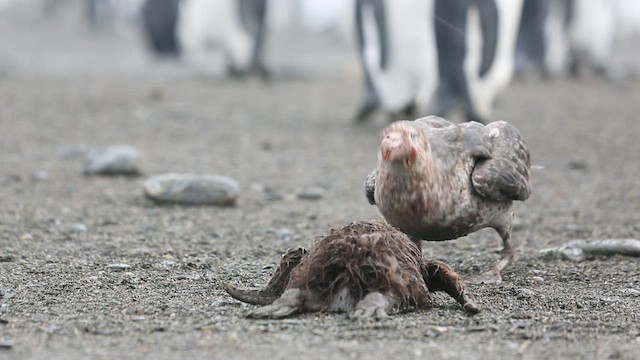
(392, 146)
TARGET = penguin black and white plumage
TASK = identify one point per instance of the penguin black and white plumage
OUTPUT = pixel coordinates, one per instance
(235, 27)
(561, 36)
(542, 42)
(192, 28)
(160, 18)
(396, 44)
(591, 35)
(476, 45)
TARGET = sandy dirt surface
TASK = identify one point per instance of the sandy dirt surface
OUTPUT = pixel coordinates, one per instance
(59, 230)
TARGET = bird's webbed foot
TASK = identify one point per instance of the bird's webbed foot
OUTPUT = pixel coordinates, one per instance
(288, 304)
(373, 305)
(441, 277)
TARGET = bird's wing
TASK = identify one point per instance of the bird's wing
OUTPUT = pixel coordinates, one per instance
(370, 186)
(454, 143)
(433, 122)
(505, 174)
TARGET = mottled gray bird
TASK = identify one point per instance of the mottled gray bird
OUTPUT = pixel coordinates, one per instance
(436, 180)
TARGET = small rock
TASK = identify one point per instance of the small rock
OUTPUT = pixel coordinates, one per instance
(519, 325)
(271, 194)
(578, 165)
(192, 189)
(537, 279)
(284, 233)
(524, 293)
(72, 152)
(630, 292)
(39, 175)
(4, 321)
(572, 254)
(78, 228)
(608, 247)
(112, 160)
(6, 344)
(26, 237)
(118, 267)
(312, 193)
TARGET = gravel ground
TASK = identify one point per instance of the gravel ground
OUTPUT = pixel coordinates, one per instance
(91, 269)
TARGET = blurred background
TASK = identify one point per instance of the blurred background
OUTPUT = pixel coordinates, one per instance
(109, 38)
(308, 38)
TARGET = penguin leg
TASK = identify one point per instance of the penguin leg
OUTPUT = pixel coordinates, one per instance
(441, 277)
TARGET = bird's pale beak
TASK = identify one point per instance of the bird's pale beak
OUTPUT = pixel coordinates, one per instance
(391, 144)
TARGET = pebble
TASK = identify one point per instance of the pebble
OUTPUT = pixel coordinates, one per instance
(73, 152)
(118, 267)
(630, 292)
(284, 233)
(112, 160)
(192, 189)
(577, 250)
(572, 254)
(312, 193)
(524, 293)
(39, 175)
(537, 279)
(26, 237)
(78, 228)
(6, 344)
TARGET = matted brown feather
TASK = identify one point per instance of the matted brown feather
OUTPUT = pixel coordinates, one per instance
(362, 257)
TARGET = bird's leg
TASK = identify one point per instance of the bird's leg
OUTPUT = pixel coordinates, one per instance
(441, 277)
(289, 303)
(493, 276)
(277, 284)
(374, 304)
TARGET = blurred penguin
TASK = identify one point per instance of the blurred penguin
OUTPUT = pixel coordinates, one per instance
(160, 19)
(396, 44)
(235, 27)
(560, 36)
(543, 44)
(591, 35)
(193, 28)
(476, 47)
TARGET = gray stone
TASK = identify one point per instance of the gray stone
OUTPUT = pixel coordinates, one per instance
(78, 228)
(118, 267)
(572, 254)
(6, 344)
(312, 193)
(630, 292)
(524, 293)
(112, 160)
(577, 250)
(192, 189)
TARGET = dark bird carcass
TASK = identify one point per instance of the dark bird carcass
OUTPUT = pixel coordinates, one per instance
(367, 268)
(436, 180)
